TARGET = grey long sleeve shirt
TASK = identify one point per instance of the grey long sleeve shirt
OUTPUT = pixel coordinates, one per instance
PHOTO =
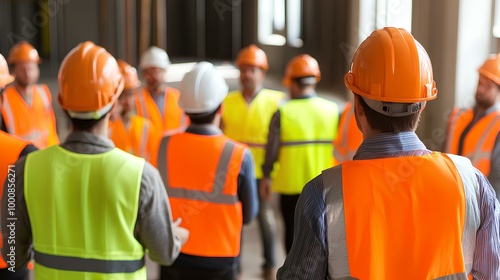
(153, 229)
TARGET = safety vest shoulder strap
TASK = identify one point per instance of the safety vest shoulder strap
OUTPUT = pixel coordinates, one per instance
(44, 94)
(472, 218)
(338, 264)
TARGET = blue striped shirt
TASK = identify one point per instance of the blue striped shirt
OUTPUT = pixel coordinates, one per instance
(308, 257)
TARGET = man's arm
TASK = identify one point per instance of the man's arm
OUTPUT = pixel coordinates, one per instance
(487, 252)
(155, 229)
(308, 257)
(247, 189)
(494, 176)
(16, 232)
(271, 155)
(273, 144)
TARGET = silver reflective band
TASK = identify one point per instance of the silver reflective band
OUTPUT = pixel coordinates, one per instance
(297, 143)
(392, 109)
(217, 194)
(88, 265)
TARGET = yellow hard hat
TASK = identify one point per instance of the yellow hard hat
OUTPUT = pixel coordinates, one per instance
(90, 81)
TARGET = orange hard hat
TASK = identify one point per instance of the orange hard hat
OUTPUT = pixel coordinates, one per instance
(5, 77)
(391, 66)
(23, 52)
(491, 68)
(90, 81)
(301, 66)
(253, 56)
(131, 79)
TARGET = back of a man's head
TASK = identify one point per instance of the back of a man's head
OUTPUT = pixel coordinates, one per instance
(90, 82)
(391, 77)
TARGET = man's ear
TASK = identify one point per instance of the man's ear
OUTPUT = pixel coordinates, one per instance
(221, 109)
(358, 109)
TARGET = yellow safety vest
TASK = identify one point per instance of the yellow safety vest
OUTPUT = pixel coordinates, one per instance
(249, 123)
(308, 127)
(83, 210)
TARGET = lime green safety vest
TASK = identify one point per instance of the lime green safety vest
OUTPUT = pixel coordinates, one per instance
(83, 210)
(249, 123)
(308, 127)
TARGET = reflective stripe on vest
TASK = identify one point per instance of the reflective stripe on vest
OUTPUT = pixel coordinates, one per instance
(307, 129)
(201, 176)
(173, 119)
(348, 137)
(346, 260)
(88, 265)
(86, 224)
(248, 123)
(480, 139)
(10, 149)
(30, 122)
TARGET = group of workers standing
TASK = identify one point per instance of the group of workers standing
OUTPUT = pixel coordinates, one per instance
(360, 195)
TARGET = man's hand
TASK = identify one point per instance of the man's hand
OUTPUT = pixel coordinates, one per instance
(180, 232)
(265, 190)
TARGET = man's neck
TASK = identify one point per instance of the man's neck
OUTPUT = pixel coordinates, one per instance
(250, 94)
(24, 91)
(156, 92)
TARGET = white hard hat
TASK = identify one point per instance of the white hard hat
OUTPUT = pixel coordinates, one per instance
(202, 89)
(154, 57)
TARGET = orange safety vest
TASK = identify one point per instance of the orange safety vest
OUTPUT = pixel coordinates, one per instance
(10, 149)
(139, 138)
(36, 122)
(348, 136)
(480, 140)
(201, 176)
(173, 121)
(404, 218)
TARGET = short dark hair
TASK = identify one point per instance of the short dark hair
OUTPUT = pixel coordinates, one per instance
(203, 118)
(383, 123)
(84, 125)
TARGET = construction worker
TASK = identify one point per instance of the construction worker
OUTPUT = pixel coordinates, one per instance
(348, 137)
(11, 148)
(87, 209)
(27, 107)
(300, 138)
(246, 117)
(157, 101)
(474, 132)
(210, 181)
(398, 210)
(129, 131)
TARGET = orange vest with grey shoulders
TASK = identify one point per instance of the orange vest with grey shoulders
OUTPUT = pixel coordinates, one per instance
(33, 122)
(201, 173)
(480, 140)
(410, 217)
